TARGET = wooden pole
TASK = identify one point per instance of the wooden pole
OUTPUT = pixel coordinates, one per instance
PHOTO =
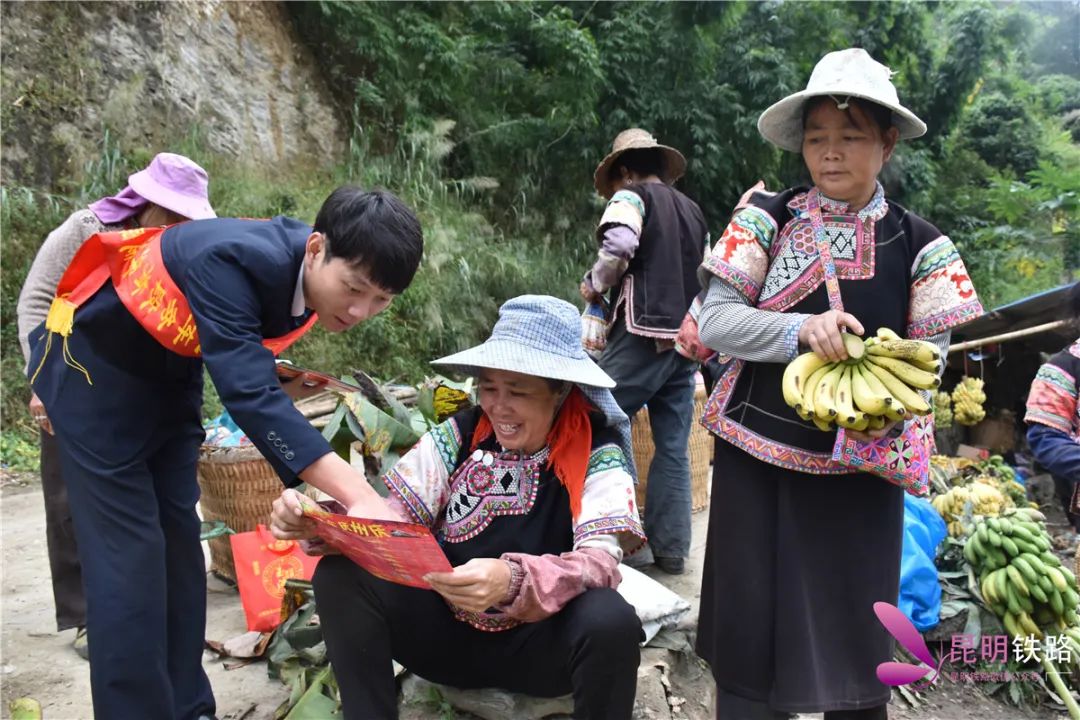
(1034, 330)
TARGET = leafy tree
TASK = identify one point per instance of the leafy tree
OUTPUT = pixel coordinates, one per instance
(1001, 130)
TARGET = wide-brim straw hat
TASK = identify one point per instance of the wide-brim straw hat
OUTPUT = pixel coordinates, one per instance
(535, 335)
(637, 139)
(175, 183)
(840, 74)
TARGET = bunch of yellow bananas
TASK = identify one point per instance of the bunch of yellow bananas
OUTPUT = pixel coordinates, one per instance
(952, 464)
(985, 501)
(1021, 579)
(878, 382)
(943, 414)
(967, 399)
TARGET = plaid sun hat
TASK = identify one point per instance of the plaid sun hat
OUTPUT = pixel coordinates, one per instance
(541, 335)
(534, 335)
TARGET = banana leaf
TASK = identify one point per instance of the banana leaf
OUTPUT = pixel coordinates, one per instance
(378, 430)
(334, 424)
(299, 641)
(313, 695)
(313, 703)
(425, 403)
(378, 396)
(440, 398)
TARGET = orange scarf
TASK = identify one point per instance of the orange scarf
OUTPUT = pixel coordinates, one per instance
(570, 443)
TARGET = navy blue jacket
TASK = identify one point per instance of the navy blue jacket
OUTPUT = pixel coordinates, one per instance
(238, 277)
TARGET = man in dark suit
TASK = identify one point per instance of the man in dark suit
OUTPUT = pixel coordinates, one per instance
(137, 314)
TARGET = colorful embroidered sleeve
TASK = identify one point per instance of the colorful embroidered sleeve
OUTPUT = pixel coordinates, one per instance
(608, 503)
(624, 208)
(420, 479)
(1053, 399)
(741, 256)
(942, 295)
(618, 234)
(616, 251)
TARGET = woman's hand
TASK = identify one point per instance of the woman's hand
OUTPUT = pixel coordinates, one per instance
(287, 521)
(587, 292)
(374, 508)
(475, 586)
(871, 435)
(821, 333)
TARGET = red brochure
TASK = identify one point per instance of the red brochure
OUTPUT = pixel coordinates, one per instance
(400, 552)
(287, 371)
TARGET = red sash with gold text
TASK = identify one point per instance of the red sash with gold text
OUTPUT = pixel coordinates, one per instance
(132, 260)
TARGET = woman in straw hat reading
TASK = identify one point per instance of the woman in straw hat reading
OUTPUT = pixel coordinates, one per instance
(800, 546)
(171, 189)
(652, 239)
(531, 494)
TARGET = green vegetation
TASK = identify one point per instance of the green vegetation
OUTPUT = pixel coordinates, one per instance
(489, 119)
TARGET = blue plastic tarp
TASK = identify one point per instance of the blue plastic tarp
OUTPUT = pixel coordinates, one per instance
(920, 592)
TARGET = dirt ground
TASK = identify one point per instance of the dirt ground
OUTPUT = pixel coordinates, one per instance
(38, 662)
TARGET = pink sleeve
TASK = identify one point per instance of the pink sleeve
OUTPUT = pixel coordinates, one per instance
(549, 582)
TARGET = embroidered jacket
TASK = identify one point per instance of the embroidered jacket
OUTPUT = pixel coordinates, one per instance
(1053, 412)
(495, 503)
(894, 269)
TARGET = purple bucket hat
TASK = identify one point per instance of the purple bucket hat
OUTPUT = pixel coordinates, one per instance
(175, 183)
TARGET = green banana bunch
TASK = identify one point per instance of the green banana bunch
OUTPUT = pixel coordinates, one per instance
(877, 383)
(967, 399)
(1020, 578)
(943, 414)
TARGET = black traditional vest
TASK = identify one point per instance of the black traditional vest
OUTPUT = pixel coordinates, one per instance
(748, 397)
(661, 279)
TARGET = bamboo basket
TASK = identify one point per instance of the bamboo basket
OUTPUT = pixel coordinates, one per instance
(700, 448)
(239, 488)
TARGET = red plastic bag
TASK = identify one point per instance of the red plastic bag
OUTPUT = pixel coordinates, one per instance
(263, 564)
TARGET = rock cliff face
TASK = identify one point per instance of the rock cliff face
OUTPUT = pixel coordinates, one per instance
(152, 74)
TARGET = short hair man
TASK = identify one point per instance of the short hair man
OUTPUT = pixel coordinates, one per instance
(118, 367)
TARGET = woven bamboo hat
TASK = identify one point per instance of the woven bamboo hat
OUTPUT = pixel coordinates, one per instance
(841, 74)
(637, 139)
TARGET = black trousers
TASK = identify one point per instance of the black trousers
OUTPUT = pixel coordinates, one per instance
(590, 648)
(64, 566)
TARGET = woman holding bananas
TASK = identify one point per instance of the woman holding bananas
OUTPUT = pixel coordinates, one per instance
(800, 547)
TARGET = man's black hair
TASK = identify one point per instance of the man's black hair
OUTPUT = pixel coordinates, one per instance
(375, 230)
(642, 161)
